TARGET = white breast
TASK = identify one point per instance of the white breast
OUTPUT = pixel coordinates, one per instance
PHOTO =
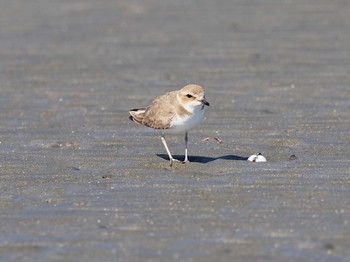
(181, 124)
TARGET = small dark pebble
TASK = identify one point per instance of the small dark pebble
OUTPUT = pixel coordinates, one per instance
(328, 246)
(102, 227)
(292, 157)
(107, 176)
(267, 111)
(226, 250)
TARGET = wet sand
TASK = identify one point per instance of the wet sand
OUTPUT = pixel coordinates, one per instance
(80, 182)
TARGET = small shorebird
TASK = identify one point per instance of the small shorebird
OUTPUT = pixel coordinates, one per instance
(173, 113)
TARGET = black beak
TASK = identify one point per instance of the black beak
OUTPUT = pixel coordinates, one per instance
(205, 102)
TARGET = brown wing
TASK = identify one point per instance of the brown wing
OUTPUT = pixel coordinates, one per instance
(137, 115)
(161, 111)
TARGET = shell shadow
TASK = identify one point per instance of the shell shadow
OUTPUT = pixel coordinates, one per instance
(205, 159)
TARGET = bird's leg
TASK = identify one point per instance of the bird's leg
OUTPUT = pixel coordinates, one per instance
(168, 151)
(186, 154)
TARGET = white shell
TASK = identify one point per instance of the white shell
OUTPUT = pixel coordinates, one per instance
(257, 158)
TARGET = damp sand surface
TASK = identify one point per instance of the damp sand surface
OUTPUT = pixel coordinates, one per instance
(80, 182)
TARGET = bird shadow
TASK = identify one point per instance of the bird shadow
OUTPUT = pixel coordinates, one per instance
(205, 159)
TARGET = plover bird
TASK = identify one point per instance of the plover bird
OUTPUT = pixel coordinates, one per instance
(173, 113)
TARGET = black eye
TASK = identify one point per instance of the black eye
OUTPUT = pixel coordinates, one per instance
(189, 96)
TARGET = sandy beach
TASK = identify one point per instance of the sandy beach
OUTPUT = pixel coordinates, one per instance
(80, 182)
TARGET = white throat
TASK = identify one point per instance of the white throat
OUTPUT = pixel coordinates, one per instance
(191, 107)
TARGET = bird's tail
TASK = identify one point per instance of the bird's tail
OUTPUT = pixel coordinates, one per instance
(137, 115)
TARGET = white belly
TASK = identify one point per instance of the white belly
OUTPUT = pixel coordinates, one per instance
(183, 124)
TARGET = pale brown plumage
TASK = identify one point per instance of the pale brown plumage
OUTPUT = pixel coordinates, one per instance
(156, 115)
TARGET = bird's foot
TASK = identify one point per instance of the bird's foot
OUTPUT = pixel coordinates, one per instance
(172, 160)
